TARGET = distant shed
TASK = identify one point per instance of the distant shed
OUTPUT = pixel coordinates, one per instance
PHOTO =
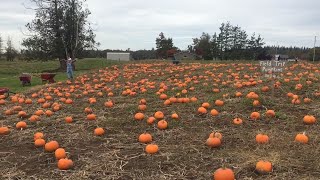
(119, 56)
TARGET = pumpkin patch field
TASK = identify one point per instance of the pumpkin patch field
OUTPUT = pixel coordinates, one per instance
(156, 120)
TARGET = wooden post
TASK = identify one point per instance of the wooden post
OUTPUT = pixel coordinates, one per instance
(272, 81)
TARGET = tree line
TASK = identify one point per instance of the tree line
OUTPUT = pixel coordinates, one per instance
(61, 28)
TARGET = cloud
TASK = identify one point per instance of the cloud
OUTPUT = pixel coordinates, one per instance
(136, 24)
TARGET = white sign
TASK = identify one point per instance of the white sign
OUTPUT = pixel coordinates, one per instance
(270, 68)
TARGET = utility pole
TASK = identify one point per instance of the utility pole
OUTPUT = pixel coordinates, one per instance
(314, 48)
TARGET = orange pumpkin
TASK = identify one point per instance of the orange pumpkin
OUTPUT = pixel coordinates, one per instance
(65, 164)
(214, 112)
(91, 117)
(139, 116)
(237, 121)
(223, 174)
(270, 113)
(21, 125)
(213, 142)
(152, 148)
(163, 124)
(205, 105)
(308, 119)
(108, 104)
(159, 115)
(175, 116)
(60, 153)
(219, 103)
(38, 135)
(68, 119)
(302, 138)
(255, 115)
(145, 138)
(51, 146)
(4, 130)
(99, 131)
(151, 120)
(202, 110)
(262, 138)
(263, 167)
(215, 134)
(39, 142)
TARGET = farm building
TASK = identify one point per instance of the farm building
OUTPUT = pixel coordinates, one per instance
(185, 56)
(119, 56)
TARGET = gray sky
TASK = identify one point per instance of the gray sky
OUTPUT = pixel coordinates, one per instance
(135, 24)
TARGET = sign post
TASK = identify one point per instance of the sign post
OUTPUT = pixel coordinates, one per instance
(270, 69)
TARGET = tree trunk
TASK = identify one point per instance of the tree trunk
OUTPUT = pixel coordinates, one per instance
(63, 64)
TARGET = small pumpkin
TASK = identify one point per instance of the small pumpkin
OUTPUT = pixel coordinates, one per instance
(152, 148)
(307, 100)
(214, 112)
(202, 110)
(99, 131)
(302, 138)
(68, 119)
(4, 130)
(175, 116)
(34, 118)
(162, 124)
(91, 117)
(223, 174)
(65, 164)
(308, 119)
(219, 103)
(159, 115)
(21, 125)
(255, 115)
(139, 116)
(213, 142)
(108, 104)
(88, 110)
(262, 138)
(60, 153)
(39, 142)
(151, 120)
(263, 167)
(51, 146)
(22, 114)
(142, 107)
(270, 113)
(145, 138)
(215, 134)
(237, 121)
(39, 112)
(142, 101)
(205, 105)
(49, 113)
(38, 135)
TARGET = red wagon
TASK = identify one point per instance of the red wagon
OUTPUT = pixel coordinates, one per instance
(48, 77)
(4, 91)
(25, 79)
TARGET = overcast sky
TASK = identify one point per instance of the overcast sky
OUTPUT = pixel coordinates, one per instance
(135, 24)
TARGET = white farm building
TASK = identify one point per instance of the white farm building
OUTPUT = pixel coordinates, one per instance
(119, 56)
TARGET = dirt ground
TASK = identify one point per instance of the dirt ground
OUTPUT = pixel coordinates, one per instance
(182, 150)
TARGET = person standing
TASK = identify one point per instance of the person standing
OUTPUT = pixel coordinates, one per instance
(70, 68)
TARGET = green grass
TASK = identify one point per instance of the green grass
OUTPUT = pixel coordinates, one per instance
(10, 71)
